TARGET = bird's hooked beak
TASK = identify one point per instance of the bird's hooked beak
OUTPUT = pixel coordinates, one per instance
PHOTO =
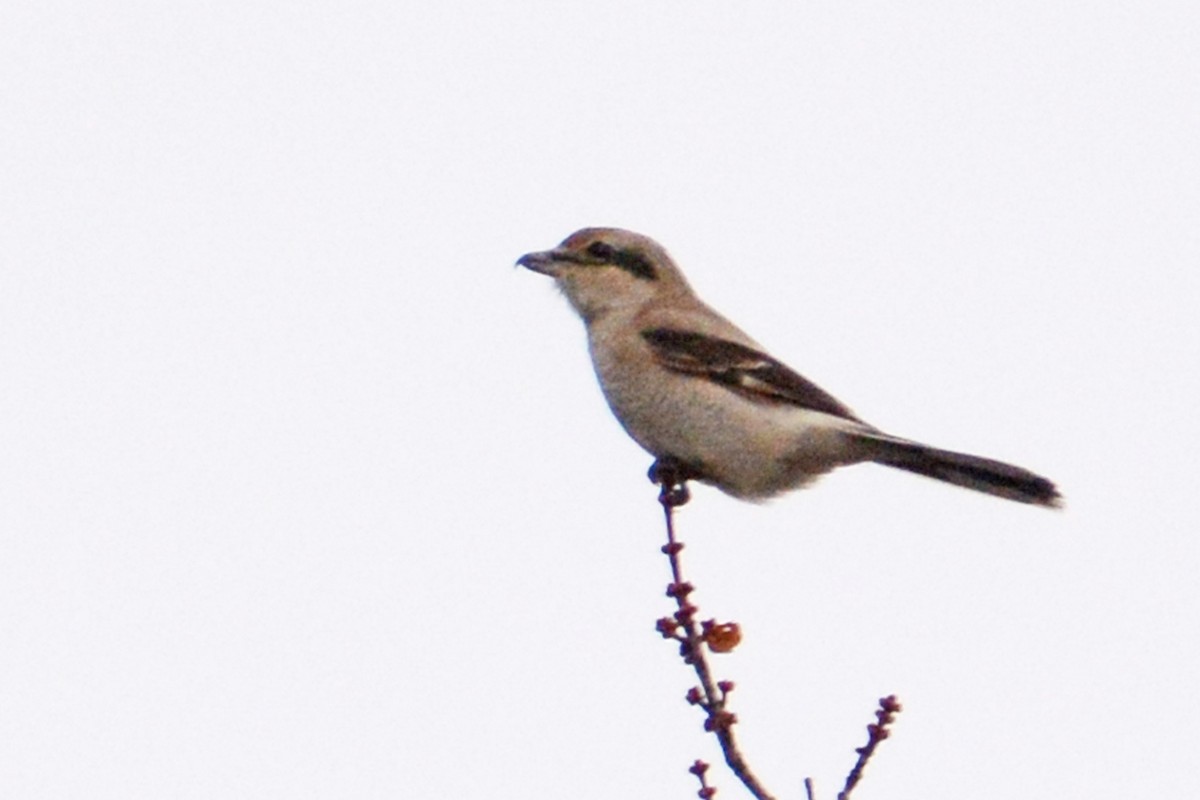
(547, 262)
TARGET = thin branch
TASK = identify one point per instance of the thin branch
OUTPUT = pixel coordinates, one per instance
(710, 695)
(700, 770)
(694, 640)
(889, 707)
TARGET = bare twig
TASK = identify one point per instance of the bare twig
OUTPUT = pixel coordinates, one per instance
(876, 732)
(710, 695)
(694, 640)
(700, 770)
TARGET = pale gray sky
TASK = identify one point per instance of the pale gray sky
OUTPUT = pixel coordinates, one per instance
(306, 492)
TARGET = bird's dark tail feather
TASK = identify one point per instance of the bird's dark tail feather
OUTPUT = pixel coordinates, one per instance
(973, 472)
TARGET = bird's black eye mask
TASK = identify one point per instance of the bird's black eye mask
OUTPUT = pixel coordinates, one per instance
(633, 263)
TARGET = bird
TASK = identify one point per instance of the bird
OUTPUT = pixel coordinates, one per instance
(707, 401)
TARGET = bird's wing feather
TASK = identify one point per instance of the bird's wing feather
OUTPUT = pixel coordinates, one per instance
(749, 372)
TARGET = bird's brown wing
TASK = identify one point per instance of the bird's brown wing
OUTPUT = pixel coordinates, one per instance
(750, 373)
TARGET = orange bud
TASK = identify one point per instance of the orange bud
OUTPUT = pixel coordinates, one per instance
(722, 638)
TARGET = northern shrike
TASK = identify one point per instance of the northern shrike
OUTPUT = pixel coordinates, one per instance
(696, 392)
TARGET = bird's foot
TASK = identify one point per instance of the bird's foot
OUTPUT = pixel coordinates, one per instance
(672, 475)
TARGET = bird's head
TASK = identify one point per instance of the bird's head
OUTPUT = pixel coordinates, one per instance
(601, 269)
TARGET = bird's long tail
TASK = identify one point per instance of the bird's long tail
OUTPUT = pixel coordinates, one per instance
(973, 472)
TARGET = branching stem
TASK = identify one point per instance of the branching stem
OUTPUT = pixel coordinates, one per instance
(710, 695)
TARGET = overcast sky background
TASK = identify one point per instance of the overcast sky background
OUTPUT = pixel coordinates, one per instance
(305, 491)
